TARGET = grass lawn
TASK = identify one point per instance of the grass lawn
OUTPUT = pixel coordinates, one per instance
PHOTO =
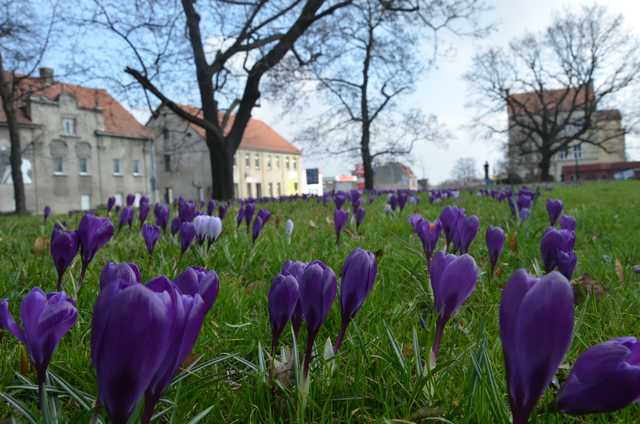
(379, 374)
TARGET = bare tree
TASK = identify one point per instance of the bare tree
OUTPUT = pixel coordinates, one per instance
(374, 61)
(556, 87)
(465, 170)
(230, 45)
(25, 36)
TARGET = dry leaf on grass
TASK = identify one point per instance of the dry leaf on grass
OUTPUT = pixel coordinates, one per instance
(40, 245)
(513, 242)
(587, 286)
(619, 270)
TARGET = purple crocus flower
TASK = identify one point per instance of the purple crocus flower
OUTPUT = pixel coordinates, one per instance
(187, 234)
(393, 202)
(189, 310)
(211, 207)
(126, 217)
(45, 318)
(340, 218)
(567, 222)
(339, 198)
(449, 218)
(222, 211)
(359, 214)
(111, 201)
(197, 280)
(283, 298)
(295, 268)
(468, 227)
(93, 233)
(554, 209)
(64, 247)
(495, 244)
(524, 214)
(552, 243)
(143, 212)
(257, 228)
(175, 225)
(161, 211)
(249, 210)
(131, 198)
(453, 279)
(131, 333)
(402, 199)
(46, 213)
(240, 216)
(151, 234)
(536, 324)
(605, 378)
(429, 234)
(566, 262)
(317, 292)
(123, 272)
(264, 214)
(187, 210)
(358, 276)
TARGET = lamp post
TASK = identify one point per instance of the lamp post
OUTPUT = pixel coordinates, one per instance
(575, 157)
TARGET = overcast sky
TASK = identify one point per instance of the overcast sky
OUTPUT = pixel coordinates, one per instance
(443, 92)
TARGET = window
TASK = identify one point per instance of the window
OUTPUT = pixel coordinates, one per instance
(119, 197)
(117, 170)
(278, 189)
(287, 159)
(69, 126)
(277, 161)
(168, 195)
(248, 189)
(84, 167)
(577, 151)
(167, 163)
(257, 162)
(201, 194)
(58, 166)
(269, 162)
(247, 160)
(258, 190)
(295, 164)
(295, 187)
(563, 153)
(136, 167)
(136, 202)
(270, 189)
(85, 202)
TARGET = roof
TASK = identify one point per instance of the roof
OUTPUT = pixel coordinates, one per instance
(599, 167)
(563, 99)
(117, 120)
(397, 166)
(257, 136)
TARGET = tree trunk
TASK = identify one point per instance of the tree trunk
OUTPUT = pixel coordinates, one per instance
(221, 160)
(366, 156)
(15, 158)
(544, 165)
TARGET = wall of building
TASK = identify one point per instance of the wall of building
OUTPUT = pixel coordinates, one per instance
(189, 173)
(65, 186)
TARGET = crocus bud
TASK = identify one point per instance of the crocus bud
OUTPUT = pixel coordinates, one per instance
(45, 318)
(240, 216)
(93, 233)
(453, 279)
(126, 217)
(46, 212)
(449, 218)
(552, 243)
(161, 211)
(605, 378)
(288, 227)
(495, 243)
(358, 276)
(211, 207)
(123, 272)
(317, 292)
(144, 211)
(264, 214)
(222, 211)
(201, 281)
(64, 247)
(339, 198)
(187, 234)
(566, 262)
(295, 268)
(393, 202)
(524, 214)
(467, 230)
(283, 298)
(340, 218)
(130, 336)
(187, 210)
(554, 209)
(387, 209)
(176, 223)
(111, 201)
(249, 209)
(151, 234)
(257, 228)
(359, 214)
(536, 324)
(567, 222)
(131, 198)
(402, 199)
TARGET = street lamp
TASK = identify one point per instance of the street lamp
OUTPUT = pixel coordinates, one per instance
(575, 157)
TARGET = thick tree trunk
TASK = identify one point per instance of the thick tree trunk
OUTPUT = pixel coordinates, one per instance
(544, 165)
(221, 161)
(15, 158)
(366, 157)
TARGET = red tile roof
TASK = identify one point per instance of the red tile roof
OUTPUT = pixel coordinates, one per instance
(117, 120)
(257, 136)
(563, 99)
(605, 166)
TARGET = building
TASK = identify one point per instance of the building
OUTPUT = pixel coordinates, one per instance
(80, 146)
(265, 164)
(602, 171)
(394, 176)
(607, 129)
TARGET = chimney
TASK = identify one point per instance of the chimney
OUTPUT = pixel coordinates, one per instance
(46, 75)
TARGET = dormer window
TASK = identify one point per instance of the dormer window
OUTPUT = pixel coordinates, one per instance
(68, 126)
